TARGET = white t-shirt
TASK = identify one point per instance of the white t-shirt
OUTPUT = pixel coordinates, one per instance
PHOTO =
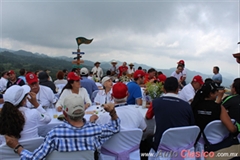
(184, 72)
(178, 76)
(187, 93)
(60, 81)
(131, 71)
(102, 97)
(129, 115)
(33, 119)
(45, 97)
(3, 84)
(98, 70)
(66, 92)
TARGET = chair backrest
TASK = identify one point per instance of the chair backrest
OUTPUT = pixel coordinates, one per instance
(179, 137)
(7, 153)
(124, 140)
(94, 94)
(216, 131)
(78, 155)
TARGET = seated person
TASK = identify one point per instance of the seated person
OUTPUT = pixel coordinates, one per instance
(16, 119)
(73, 87)
(105, 96)
(86, 135)
(45, 81)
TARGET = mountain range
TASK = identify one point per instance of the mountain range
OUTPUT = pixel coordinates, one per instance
(16, 60)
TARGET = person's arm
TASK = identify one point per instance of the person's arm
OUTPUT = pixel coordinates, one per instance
(139, 101)
(150, 113)
(42, 116)
(227, 121)
(41, 152)
(86, 98)
(220, 96)
(59, 104)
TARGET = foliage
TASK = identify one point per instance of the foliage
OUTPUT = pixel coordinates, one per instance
(154, 90)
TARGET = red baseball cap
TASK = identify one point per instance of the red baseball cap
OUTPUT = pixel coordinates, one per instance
(138, 73)
(119, 90)
(198, 79)
(162, 78)
(73, 76)
(181, 62)
(31, 78)
(11, 72)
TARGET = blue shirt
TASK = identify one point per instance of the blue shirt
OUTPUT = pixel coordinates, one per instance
(134, 91)
(89, 85)
(67, 138)
(217, 77)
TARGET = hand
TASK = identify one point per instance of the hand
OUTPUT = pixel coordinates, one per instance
(109, 107)
(59, 108)
(33, 99)
(221, 92)
(93, 118)
(86, 106)
(11, 141)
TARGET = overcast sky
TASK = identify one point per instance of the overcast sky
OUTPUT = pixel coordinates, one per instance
(157, 33)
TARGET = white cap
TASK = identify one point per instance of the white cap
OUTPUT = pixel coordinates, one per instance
(72, 103)
(105, 79)
(84, 71)
(15, 94)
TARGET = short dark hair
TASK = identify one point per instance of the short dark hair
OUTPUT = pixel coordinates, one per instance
(171, 84)
(139, 68)
(208, 80)
(64, 70)
(3, 73)
(22, 71)
(236, 85)
(217, 68)
(151, 70)
(160, 72)
(108, 73)
(180, 65)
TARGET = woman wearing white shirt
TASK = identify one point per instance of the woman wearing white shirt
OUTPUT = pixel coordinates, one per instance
(105, 96)
(73, 87)
(16, 119)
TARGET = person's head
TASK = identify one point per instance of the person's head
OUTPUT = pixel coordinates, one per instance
(208, 91)
(107, 82)
(73, 81)
(215, 69)
(120, 92)
(5, 74)
(60, 75)
(114, 63)
(208, 80)
(181, 62)
(32, 81)
(11, 119)
(162, 78)
(131, 65)
(171, 85)
(197, 82)
(91, 73)
(43, 76)
(179, 69)
(97, 64)
(22, 72)
(139, 68)
(108, 73)
(139, 76)
(12, 75)
(73, 108)
(144, 70)
(124, 63)
(151, 72)
(235, 87)
(84, 72)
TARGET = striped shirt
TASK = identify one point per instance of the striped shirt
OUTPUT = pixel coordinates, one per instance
(67, 138)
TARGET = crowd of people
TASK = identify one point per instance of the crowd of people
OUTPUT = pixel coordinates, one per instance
(26, 98)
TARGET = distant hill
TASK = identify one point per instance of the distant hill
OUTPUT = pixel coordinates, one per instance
(35, 61)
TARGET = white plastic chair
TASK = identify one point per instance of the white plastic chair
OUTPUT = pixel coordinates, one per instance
(78, 155)
(174, 141)
(6, 153)
(122, 145)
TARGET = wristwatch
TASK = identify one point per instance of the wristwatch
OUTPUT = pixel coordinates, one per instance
(16, 148)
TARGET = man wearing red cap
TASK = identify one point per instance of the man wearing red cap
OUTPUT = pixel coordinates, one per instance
(134, 89)
(130, 116)
(184, 72)
(13, 79)
(44, 95)
(189, 91)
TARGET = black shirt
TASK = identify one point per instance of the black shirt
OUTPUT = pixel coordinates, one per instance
(232, 104)
(205, 112)
(19, 82)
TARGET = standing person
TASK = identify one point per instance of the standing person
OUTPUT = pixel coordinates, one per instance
(73, 87)
(134, 89)
(170, 111)
(178, 74)
(3, 81)
(122, 69)
(131, 70)
(97, 70)
(13, 80)
(16, 119)
(83, 135)
(217, 77)
(184, 72)
(23, 73)
(114, 69)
